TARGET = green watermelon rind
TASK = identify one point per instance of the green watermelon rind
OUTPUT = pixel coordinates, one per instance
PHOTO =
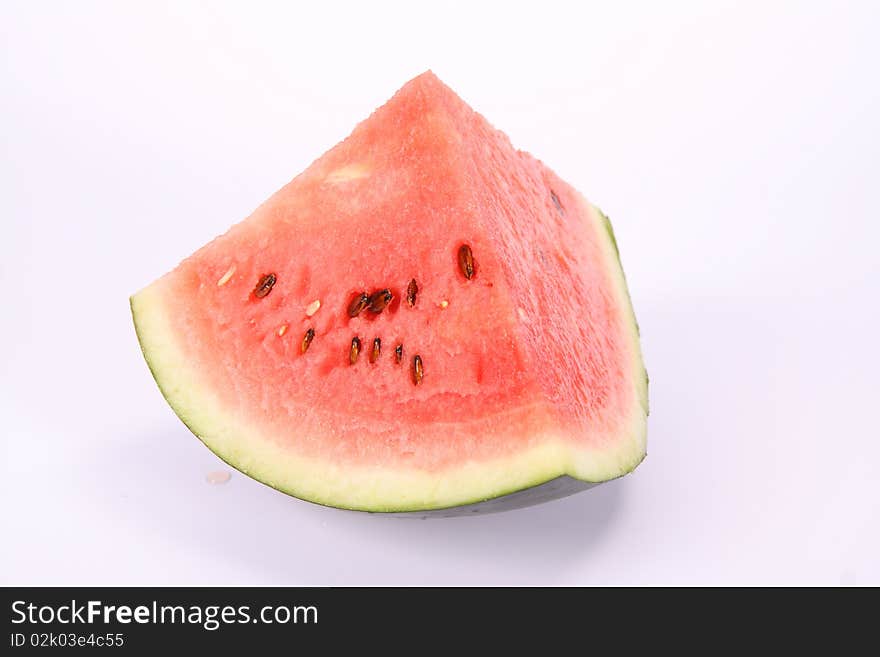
(609, 229)
(193, 402)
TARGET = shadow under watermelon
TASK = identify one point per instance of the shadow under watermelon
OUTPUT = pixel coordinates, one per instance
(256, 535)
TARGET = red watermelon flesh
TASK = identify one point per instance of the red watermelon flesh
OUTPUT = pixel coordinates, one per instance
(529, 360)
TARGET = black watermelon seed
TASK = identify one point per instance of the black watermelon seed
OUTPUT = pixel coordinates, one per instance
(398, 353)
(556, 202)
(358, 303)
(307, 340)
(466, 261)
(418, 371)
(378, 300)
(377, 348)
(411, 291)
(264, 285)
(355, 350)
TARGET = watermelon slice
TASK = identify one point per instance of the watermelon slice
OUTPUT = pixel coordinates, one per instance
(426, 318)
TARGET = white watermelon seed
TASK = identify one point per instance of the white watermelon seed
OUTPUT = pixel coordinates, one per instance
(225, 278)
(313, 307)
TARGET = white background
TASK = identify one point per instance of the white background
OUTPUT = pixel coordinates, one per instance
(735, 146)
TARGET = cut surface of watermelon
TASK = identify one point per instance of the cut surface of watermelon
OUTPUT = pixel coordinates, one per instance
(426, 317)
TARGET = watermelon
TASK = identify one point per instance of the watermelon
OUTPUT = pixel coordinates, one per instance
(424, 319)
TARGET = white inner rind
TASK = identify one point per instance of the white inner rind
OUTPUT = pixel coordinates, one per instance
(372, 487)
